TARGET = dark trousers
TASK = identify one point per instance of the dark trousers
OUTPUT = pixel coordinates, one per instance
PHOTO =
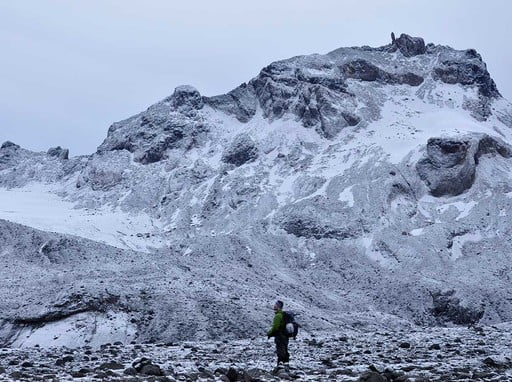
(282, 348)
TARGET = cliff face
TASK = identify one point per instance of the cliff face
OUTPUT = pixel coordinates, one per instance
(365, 184)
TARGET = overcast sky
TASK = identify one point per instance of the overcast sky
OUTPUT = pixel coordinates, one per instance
(70, 68)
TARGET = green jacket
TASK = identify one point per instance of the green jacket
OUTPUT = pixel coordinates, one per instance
(278, 325)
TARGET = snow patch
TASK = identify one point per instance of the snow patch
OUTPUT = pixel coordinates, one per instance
(79, 330)
(347, 196)
(463, 207)
(417, 231)
(459, 241)
(37, 206)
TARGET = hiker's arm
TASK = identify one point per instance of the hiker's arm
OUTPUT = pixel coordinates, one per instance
(276, 324)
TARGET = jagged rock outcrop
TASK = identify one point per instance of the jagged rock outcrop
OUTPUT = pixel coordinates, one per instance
(449, 168)
(365, 71)
(186, 97)
(240, 102)
(446, 306)
(450, 165)
(409, 46)
(467, 70)
(240, 151)
(8, 144)
(58, 152)
(317, 218)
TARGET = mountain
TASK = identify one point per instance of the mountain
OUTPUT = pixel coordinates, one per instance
(363, 186)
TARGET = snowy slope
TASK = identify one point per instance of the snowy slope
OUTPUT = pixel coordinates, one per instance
(365, 184)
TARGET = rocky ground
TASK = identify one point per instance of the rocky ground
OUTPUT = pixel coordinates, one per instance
(377, 355)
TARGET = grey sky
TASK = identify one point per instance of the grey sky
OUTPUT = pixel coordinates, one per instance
(71, 68)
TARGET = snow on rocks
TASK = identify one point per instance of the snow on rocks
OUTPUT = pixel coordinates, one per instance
(450, 165)
(359, 183)
(442, 354)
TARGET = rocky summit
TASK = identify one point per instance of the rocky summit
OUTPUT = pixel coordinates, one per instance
(365, 186)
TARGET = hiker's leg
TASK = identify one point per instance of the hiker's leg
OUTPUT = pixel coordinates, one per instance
(281, 348)
(287, 355)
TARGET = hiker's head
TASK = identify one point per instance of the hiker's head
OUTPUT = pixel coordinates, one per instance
(278, 305)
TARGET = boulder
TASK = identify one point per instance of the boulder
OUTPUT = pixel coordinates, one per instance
(151, 370)
(362, 70)
(318, 218)
(9, 144)
(241, 150)
(372, 376)
(186, 96)
(450, 164)
(410, 46)
(58, 152)
(145, 366)
(449, 168)
(130, 371)
(447, 307)
(232, 374)
(139, 363)
(111, 366)
(62, 361)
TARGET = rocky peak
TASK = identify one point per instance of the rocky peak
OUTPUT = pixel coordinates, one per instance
(58, 152)
(407, 45)
(9, 144)
(327, 93)
(186, 96)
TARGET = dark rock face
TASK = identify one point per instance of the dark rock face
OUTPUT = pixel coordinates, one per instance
(449, 168)
(372, 376)
(173, 123)
(410, 46)
(450, 165)
(157, 150)
(9, 144)
(303, 227)
(447, 307)
(362, 70)
(410, 79)
(472, 71)
(317, 109)
(319, 101)
(74, 304)
(232, 374)
(58, 152)
(240, 102)
(8, 153)
(145, 366)
(242, 150)
(186, 96)
(151, 370)
(366, 71)
(318, 220)
(493, 146)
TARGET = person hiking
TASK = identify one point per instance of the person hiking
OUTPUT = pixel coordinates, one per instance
(278, 331)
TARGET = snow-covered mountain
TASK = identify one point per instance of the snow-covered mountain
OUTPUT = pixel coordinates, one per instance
(366, 185)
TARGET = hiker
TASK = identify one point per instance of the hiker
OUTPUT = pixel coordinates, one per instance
(278, 331)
